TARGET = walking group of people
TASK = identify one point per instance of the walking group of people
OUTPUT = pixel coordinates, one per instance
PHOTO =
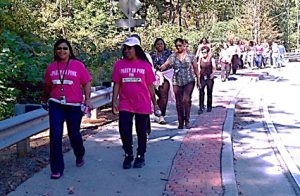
(139, 79)
(242, 54)
(169, 75)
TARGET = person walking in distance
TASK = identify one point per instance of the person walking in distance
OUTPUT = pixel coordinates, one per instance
(203, 42)
(185, 69)
(64, 78)
(234, 51)
(259, 54)
(243, 54)
(225, 60)
(251, 54)
(282, 52)
(207, 71)
(133, 79)
(164, 79)
(275, 55)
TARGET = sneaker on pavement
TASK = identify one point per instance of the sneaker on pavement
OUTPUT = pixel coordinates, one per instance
(161, 120)
(187, 125)
(200, 111)
(79, 162)
(56, 176)
(127, 161)
(139, 161)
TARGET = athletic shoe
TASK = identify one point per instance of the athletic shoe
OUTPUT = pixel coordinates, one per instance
(187, 125)
(161, 120)
(200, 111)
(180, 126)
(79, 162)
(209, 109)
(127, 161)
(139, 161)
(56, 176)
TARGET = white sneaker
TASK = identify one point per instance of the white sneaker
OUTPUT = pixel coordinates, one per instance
(161, 120)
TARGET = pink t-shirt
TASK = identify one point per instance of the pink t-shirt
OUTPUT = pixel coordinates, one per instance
(134, 78)
(76, 76)
(259, 49)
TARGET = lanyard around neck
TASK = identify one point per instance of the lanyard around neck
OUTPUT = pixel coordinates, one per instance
(62, 77)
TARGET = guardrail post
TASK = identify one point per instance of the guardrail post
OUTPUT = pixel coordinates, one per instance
(24, 146)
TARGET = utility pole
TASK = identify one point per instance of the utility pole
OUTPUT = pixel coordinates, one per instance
(297, 7)
(129, 16)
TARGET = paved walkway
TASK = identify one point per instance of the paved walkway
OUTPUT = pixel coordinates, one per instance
(196, 168)
(178, 162)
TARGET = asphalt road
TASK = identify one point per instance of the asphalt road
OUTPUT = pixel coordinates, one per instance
(282, 95)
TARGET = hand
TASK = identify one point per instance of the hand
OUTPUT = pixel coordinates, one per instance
(161, 68)
(88, 104)
(198, 83)
(212, 76)
(45, 106)
(115, 108)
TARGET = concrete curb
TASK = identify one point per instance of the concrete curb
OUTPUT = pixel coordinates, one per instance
(291, 165)
(228, 175)
(227, 164)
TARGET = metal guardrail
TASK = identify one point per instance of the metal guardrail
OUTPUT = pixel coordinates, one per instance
(291, 55)
(18, 128)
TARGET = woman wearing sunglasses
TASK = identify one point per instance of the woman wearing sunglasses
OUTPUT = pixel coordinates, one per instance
(133, 79)
(207, 71)
(185, 69)
(64, 78)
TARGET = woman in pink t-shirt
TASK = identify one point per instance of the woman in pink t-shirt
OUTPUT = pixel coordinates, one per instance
(64, 78)
(133, 79)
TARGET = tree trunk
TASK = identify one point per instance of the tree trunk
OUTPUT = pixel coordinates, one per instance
(180, 16)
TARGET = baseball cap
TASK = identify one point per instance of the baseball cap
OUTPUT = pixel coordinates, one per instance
(132, 41)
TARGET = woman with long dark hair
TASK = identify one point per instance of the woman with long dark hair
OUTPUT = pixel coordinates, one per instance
(133, 79)
(164, 79)
(64, 78)
(203, 42)
(251, 53)
(185, 69)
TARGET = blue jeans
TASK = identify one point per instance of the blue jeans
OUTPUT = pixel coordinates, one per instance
(125, 128)
(259, 60)
(58, 114)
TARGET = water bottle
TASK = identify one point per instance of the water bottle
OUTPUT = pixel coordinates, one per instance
(86, 111)
(157, 113)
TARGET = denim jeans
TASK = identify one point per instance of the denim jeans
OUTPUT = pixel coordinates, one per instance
(58, 114)
(125, 129)
(259, 59)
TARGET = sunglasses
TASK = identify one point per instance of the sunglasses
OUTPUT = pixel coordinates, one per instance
(62, 48)
(178, 46)
(204, 52)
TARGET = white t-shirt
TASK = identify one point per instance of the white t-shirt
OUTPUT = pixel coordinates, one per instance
(225, 56)
(233, 50)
